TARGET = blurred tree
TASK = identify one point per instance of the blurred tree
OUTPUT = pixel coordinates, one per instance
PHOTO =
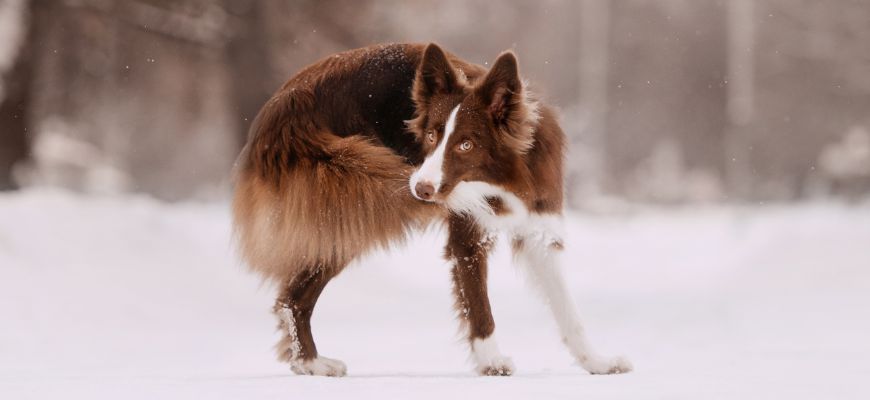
(741, 95)
(812, 88)
(667, 97)
(247, 52)
(16, 113)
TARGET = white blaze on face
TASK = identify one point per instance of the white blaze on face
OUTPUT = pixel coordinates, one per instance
(432, 170)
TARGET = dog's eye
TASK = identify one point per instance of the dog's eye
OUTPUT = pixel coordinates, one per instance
(430, 136)
(465, 145)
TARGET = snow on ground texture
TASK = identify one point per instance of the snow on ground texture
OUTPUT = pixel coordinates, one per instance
(107, 298)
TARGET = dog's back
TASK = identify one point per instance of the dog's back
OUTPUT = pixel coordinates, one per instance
(324, 175)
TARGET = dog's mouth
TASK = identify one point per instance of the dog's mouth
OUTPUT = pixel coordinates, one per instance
(436, 198)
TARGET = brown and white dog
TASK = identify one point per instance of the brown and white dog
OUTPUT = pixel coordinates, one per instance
(363, 146)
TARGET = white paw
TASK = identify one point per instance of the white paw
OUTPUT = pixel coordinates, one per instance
(488, 358)
(320, 366)
(497, 366)
(605, 366)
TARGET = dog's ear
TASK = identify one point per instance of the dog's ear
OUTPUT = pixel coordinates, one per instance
(506, 103)
(502, 88)
(435, 74)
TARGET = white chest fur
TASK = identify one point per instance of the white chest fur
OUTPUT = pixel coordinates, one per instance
(516, 220)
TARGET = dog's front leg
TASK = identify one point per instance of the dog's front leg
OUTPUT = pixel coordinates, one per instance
(468, 249)
(539, 255)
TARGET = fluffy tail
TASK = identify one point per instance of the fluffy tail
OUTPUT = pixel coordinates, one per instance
(311, 199)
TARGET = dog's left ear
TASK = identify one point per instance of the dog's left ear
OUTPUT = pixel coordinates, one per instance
(502, 89)
(502, 94)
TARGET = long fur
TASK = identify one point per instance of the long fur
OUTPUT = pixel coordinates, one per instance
(325, 212)
(307, 198)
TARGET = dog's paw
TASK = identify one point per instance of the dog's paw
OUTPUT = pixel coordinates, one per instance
(499, 366)
(606, 366)
(320, 366)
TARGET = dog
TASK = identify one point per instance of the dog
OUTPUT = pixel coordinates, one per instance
(362, 147)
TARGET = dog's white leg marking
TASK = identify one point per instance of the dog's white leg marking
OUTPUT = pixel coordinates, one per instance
(538, 254)
(319, 365)
(489, 359)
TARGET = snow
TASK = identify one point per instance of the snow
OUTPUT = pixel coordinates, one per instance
(127, 297)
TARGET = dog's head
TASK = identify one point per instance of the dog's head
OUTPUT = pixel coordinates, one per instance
(472, 134)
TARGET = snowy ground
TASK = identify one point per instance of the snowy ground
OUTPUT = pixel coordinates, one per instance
(107, 298)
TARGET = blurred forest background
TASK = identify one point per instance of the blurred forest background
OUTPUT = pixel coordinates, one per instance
(670, 101)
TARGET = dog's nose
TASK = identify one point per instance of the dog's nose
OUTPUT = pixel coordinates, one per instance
(424, 190)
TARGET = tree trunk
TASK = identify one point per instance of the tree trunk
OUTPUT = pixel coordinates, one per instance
(247, 54)
(16, 124)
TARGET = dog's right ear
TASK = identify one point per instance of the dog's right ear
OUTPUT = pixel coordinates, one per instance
(435, 74)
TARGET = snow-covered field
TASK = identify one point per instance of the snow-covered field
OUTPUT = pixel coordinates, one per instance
(130, 298)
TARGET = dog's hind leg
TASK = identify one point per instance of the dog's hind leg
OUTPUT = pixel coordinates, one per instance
(294, 307)
(538, 254)
(467, 249)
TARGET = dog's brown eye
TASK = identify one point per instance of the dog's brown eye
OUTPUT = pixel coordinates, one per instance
(465, 145)
(430, 136)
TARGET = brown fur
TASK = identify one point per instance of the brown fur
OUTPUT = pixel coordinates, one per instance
(324, 176)
(518, 143)
(309, 197)
(468, 249)
(315, 192)
(513, 144)
(322, 213)
(298, 296)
